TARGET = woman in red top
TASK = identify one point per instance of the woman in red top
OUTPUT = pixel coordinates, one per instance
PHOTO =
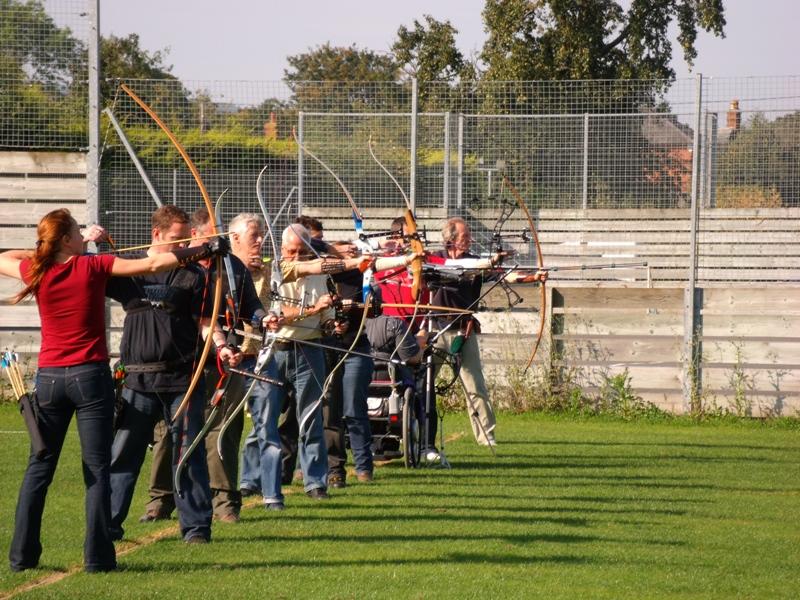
(73, 373)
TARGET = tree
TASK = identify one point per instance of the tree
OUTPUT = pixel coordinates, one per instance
(122, 58)
(761, 161)
(331, 63)
(428, 52)
(592, 39)
(344, 78)
(42, 79)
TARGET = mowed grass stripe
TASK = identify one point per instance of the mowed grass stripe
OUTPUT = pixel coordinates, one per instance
(568, 508)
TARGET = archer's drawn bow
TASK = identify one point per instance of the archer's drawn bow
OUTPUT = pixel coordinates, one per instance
(207, 200)
(540, 264)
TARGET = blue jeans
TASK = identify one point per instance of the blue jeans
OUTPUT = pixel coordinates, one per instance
(303, 369)
(141, 413)
(347, 407)
(88, 391)
(262, 447)
(251, 456)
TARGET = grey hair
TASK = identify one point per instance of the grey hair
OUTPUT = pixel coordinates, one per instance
(242, 221)
(449, 228)
(297, 230)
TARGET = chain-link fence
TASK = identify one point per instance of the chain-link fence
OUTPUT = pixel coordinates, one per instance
(43, 75)
(566, 145)
(587, 156)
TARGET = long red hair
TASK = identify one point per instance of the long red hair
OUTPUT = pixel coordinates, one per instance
(51, 230)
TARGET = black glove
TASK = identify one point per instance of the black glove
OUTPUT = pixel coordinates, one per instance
(219, 246)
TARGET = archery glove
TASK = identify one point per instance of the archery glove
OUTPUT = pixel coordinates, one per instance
(217, 247)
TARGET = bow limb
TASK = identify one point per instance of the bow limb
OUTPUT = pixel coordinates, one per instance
(232, 291)
(329, 379)
(358, 218)
(224, 380)
(385, 170)
(347, 194)
(209, 206)
(276, 277)
(366, 289)
(216, 401)
(264, 356)
(540, 263)
(411, 227)
(414, 243)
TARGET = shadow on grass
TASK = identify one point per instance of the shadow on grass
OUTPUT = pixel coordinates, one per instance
(521, 510)
(518, 539)
(447, 559)
(701, 445)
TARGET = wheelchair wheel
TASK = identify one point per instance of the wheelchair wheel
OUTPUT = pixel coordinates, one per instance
(412, 433)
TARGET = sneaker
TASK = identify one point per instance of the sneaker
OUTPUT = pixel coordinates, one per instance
(336, 481)
(432, 455)
(197, 538)
(246, 491)
(365, 476)
(318, 494)
(488, 441)
(275, 506)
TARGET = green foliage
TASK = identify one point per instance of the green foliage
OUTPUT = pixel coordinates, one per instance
(592, 39)
(42, 91)
(356, 79)
(429, 53)
(617, 397)
(35, 49)
(331, 63)
(209, 149)
(774, 173)
(122, 58)
(747, 196)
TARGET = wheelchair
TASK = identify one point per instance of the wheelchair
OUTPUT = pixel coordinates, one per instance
(395, 416)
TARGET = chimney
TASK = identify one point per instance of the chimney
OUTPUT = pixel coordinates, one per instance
(271, 127)
(734, 121)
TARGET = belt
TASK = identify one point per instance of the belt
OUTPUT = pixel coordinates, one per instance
(155, 367)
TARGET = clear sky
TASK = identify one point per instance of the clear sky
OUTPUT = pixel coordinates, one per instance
(250, 40)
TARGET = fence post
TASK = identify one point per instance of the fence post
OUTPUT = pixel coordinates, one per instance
(300, 164)
(446, 182)
(710, 159)
(93, 156)
(460, 165)
(585, 160)
(692, 297)
(413, 183)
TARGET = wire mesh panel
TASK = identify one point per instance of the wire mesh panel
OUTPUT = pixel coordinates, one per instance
(232, 130)
(230, 141)
(341, 141)
(750, 184)
(752, 132)
(43, 75)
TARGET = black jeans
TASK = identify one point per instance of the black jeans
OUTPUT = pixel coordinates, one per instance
(88, 391)
(141, 413)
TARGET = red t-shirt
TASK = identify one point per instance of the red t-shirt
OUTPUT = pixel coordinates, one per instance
(71, 302)
(395, 287)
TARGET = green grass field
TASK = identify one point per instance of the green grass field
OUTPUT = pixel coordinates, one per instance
(568, 509)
